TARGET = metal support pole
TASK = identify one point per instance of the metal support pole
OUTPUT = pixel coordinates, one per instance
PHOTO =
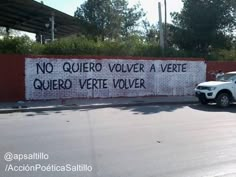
(161, 29)
(7, 31)
(52, 26)
(41, 39)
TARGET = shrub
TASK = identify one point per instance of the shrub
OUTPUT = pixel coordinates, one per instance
(131, 46)
(15, 45)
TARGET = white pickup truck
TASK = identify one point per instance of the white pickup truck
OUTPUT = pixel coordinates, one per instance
(223, 91)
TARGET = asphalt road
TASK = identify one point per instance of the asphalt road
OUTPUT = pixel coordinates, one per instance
(145, 141)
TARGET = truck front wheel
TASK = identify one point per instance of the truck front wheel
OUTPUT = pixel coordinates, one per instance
(203, 101)
(223, 100)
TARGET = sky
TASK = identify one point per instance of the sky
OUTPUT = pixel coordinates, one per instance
(149, 6)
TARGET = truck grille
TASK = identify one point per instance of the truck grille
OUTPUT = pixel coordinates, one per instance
(202, 88)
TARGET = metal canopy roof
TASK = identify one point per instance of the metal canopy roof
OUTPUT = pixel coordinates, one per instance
(31, 16)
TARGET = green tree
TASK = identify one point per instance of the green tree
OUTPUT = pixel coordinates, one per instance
(109, 18)
(202, 24)
(151, 32)
(132, 16)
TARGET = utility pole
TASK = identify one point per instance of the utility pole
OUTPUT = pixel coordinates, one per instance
(161, 30)
(165, 33)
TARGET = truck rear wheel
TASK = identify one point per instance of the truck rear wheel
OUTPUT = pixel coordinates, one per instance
(223, 100)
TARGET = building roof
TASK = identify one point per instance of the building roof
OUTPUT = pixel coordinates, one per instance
(32, 16)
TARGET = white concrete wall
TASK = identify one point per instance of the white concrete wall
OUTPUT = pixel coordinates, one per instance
(73, 78)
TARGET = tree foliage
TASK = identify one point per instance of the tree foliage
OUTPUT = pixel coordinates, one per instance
(109, 18)
(204, 23)
(151, 32)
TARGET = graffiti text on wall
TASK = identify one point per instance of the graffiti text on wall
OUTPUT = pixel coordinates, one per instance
(59, 78)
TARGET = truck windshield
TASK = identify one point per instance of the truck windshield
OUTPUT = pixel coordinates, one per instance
(227, 77)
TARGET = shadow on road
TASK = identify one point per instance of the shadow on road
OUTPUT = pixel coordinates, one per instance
(152, 109)
(214, 108)
(43, 113)
(149, 109)
(140, 109)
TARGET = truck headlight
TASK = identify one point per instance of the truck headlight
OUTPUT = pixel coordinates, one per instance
(211, 88)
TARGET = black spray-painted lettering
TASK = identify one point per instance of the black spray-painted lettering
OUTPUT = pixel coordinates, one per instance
(153, 68)
(129, 83)
(81, 67)
(174, 68)
(93, 84)
(56, 84)
(124, 68)
(44, 67)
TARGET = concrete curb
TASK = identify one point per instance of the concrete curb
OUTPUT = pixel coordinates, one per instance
(92, 106)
